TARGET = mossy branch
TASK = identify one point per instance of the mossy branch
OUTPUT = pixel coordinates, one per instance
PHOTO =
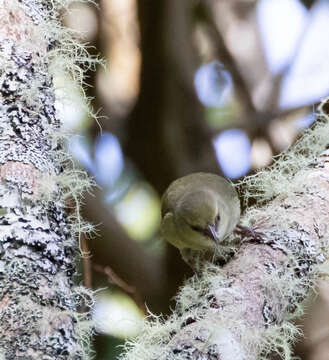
(245, 309)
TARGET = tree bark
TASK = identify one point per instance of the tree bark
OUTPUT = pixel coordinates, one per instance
(39, 303)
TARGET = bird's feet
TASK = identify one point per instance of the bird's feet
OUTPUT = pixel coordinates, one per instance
(249, 234)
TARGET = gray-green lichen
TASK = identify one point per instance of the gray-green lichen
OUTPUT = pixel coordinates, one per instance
(41, 314)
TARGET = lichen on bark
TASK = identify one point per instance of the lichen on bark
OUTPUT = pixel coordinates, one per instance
(39, 302)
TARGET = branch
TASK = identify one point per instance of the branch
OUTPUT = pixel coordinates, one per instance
(167, 97)
(238, 36)
(114, 279)
(224, 54)
(244, 310)
(114, 248)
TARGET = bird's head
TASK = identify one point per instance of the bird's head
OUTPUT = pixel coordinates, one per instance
(198, 212)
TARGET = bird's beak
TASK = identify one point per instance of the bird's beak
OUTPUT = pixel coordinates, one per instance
(211, 232)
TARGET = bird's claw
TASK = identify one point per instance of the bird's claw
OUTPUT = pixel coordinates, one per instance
(248, 233)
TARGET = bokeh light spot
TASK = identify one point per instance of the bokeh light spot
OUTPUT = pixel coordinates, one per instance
(233, 152)
(213, 84)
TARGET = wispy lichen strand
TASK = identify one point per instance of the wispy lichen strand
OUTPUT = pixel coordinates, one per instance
(39, 317)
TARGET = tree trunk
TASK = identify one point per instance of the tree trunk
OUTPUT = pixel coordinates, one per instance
(38, 300)
(168, 115)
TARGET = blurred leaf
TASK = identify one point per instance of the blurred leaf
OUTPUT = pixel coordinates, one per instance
(116, 314)
(108, 160)
(139, 211)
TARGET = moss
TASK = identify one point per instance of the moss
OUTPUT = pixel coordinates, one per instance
(278, 179)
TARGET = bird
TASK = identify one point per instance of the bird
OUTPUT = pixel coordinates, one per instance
(199, 211)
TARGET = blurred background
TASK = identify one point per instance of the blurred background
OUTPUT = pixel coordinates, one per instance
(188, 85)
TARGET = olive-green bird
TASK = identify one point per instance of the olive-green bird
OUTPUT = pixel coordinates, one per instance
(198, 212)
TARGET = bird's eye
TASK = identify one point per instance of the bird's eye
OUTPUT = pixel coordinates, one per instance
(203, 231)
(217, 219)
(197, 228)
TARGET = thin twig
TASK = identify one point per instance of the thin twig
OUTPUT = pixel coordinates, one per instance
(114, 279)
(223, 52)
(86, 263)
